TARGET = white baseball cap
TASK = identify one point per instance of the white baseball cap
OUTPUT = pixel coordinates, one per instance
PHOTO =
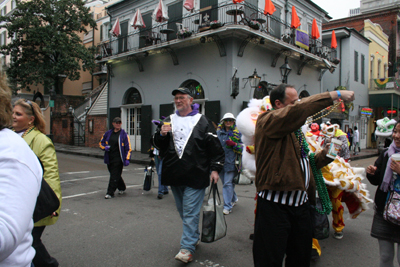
(228, 116)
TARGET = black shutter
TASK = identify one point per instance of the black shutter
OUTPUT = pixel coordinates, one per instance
(175, 16)
(145, 31)
(213, 111)
(166, 110)
(123, 38)
(356, 66)
(244, 105)
(214, 5)
(114, 112)
(145, 125)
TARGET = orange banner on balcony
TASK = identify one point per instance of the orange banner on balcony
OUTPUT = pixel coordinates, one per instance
(269, 7)
(314, 30)
(333, 40)
(295, 19)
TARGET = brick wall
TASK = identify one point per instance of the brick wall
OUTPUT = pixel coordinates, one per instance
(387, 19)
(92, 139)
(63, 129)
(62, 121)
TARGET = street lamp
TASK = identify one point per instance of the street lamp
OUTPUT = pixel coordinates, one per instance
(254, 79)
(285, 70)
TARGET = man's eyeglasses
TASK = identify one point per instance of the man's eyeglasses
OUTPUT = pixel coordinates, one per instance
(180, 98)
(229, 120)
(118, 122)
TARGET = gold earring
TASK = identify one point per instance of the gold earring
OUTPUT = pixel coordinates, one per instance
(29, 123)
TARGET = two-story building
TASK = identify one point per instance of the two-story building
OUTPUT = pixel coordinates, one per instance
(215, 51)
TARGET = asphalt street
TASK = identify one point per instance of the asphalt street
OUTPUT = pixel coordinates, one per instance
(137, 229)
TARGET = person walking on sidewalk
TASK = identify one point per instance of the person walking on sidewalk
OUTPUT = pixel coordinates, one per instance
(356, 140)
(230, 139)
(192, 157)
(117, 147)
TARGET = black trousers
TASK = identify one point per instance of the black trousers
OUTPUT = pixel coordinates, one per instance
(42, 257)
(116, 181)
(280, 229)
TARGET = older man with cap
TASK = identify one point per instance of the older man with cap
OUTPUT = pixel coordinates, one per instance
(117, 147)
(230, 139)
(192, 157)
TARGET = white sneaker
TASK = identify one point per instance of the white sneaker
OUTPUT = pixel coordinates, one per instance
(338, 235)
(234, 202)
(108, 196)
(226, 212)
(184, 255)
(121, 192)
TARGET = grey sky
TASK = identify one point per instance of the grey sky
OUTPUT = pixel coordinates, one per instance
(338, 8)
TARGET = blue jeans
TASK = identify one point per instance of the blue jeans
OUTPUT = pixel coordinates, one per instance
(161, 188)
(188, 202)
(228, 189)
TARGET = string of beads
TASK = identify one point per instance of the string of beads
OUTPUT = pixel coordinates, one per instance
(330, 108)
(319, 179)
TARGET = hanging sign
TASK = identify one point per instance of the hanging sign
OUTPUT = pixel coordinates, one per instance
(366, 112)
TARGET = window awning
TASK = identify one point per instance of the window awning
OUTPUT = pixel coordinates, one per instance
(384, 101)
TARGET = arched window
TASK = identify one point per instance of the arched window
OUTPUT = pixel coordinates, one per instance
(304, 93)
(263, 89)
(132, 96)
(194, 87)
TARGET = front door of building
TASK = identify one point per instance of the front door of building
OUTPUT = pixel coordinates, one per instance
(133, 121)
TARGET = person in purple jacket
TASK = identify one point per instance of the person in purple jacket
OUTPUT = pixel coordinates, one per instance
(117, 147)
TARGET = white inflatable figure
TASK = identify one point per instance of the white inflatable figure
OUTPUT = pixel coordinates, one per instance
(384, 130)
(246, 124)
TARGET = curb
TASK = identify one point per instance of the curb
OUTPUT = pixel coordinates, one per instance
(146, 162)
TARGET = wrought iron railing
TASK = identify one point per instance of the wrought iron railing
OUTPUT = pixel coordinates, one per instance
(225, 13)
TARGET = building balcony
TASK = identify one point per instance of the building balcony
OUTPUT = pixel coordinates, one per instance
(242, 21)
(384, 86)
(384, 92)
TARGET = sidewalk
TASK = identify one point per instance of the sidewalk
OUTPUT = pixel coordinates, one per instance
(144, 159)
(136, 157)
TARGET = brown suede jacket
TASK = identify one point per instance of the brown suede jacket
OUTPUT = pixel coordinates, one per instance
(278, 150)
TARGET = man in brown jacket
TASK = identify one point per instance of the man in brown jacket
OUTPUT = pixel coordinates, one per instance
(284, 176)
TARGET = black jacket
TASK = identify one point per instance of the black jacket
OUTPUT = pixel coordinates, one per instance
(377, 178)
(203, 153)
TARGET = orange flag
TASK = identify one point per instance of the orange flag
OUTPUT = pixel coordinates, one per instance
(314, 30)
(295, 19)
(333, 41)
(269, 7)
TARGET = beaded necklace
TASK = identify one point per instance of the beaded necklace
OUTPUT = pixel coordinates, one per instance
(319, 179)
(30, 129)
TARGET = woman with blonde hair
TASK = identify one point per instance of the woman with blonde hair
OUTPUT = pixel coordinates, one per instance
(29, 123)
(20, 181)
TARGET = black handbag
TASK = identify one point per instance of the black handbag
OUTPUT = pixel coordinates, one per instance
(46, 203)
(320, 222)
(214, 224)
(148, 178)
